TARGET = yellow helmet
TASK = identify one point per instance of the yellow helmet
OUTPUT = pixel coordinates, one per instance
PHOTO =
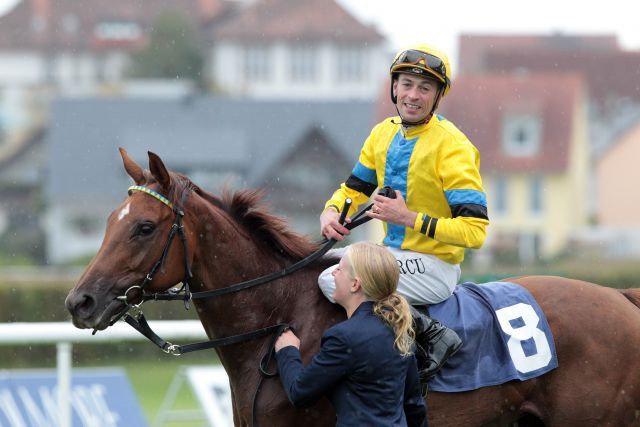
(423, 60)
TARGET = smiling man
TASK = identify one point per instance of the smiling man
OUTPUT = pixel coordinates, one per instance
(440, 206)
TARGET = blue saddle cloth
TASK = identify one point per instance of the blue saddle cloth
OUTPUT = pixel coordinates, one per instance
(505, 337)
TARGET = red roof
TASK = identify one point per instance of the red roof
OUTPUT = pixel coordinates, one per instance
(74, 24)
(609, 75)
(295, 20)
(609, 72)
(478, 105)
(474, 48)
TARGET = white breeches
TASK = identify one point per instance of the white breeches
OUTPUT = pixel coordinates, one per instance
(424, 279)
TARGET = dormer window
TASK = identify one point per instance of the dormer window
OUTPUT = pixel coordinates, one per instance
(257, 63)
(118, 31)
(521, 135)
(304, 64)
(351, 64)
(70, 24)
(38, 24)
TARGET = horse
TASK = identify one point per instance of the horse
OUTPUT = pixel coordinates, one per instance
(232, 238)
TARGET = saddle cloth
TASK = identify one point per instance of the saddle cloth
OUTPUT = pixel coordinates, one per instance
(505, 337)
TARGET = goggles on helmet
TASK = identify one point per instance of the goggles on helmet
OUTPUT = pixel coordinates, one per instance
(421, 59)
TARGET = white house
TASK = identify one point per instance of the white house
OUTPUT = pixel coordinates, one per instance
(289, 49)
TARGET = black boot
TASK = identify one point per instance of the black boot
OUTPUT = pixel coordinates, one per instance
(435, 343)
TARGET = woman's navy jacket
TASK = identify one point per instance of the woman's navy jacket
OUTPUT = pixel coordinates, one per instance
(359, 369)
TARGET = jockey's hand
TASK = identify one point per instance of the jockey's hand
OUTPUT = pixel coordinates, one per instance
(286, 339)
(393, 211)
(330, 227)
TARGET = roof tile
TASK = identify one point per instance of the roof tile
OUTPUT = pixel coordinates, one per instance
(296, 20)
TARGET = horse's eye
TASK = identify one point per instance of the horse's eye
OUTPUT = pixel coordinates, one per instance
(145, 229)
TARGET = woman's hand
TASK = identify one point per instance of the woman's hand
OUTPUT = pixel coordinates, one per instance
(286, 339)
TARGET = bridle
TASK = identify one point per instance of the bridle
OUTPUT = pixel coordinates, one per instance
(133, 301)
(136, 295)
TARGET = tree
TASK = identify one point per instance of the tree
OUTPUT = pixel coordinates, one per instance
(172, 51)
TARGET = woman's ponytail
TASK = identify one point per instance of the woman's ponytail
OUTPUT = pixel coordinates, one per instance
(394, 309)
(379, 273)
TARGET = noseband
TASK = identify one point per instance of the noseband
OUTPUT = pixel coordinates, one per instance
(136, 295)
(183, 293)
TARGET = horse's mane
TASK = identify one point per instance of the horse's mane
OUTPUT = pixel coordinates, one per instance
(247, 208)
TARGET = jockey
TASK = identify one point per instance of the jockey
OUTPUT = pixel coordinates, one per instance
(440, 205)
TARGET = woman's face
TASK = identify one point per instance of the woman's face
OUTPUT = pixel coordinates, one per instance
(343, 281)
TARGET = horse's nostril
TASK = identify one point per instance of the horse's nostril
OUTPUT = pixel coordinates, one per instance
(84, 306)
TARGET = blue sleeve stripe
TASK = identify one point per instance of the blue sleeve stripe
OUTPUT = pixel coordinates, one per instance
(365, 174)
(458, 197)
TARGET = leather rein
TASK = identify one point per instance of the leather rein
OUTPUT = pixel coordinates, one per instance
(136, 295)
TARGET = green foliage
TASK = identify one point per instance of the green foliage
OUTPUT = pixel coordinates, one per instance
(172, 51)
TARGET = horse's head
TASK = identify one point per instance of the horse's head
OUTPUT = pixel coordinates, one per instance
(136, 235)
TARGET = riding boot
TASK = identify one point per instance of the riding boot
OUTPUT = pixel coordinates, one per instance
(435, 343)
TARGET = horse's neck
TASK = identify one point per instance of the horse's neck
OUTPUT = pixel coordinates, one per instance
(226, 254)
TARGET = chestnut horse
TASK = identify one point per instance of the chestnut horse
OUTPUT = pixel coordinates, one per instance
(233, 238)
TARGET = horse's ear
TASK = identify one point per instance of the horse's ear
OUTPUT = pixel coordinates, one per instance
(159, 171)
(133, 169)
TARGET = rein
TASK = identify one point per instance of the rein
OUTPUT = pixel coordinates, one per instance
(136, 295)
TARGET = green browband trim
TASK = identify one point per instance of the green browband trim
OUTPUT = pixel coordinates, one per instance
(151, 193)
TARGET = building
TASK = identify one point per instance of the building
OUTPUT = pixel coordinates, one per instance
(287, 49)
(83, 50)
(299, 152)
(531, 132)
(616, 232)
(261, 48)
(77, 47)
(612, 95)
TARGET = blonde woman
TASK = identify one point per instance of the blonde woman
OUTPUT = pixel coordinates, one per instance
(365, 365)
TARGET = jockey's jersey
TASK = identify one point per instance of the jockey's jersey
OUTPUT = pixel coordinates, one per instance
(436, 169)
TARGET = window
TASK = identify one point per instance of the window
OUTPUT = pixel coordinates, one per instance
(500, 195)
(351, 64)
(521, 135)
(304, 64)
(86, 225)
(257, 63)
(536, 186)
(70, 24)
(118, 31)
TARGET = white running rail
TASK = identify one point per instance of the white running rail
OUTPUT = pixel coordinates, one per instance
(64, 335)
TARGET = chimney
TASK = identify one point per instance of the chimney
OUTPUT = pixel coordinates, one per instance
(209, 9)
(40, 15)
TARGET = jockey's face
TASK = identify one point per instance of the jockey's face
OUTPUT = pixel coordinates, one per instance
(416, 96)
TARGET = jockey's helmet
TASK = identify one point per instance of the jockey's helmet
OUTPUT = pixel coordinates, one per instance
(423, 60)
